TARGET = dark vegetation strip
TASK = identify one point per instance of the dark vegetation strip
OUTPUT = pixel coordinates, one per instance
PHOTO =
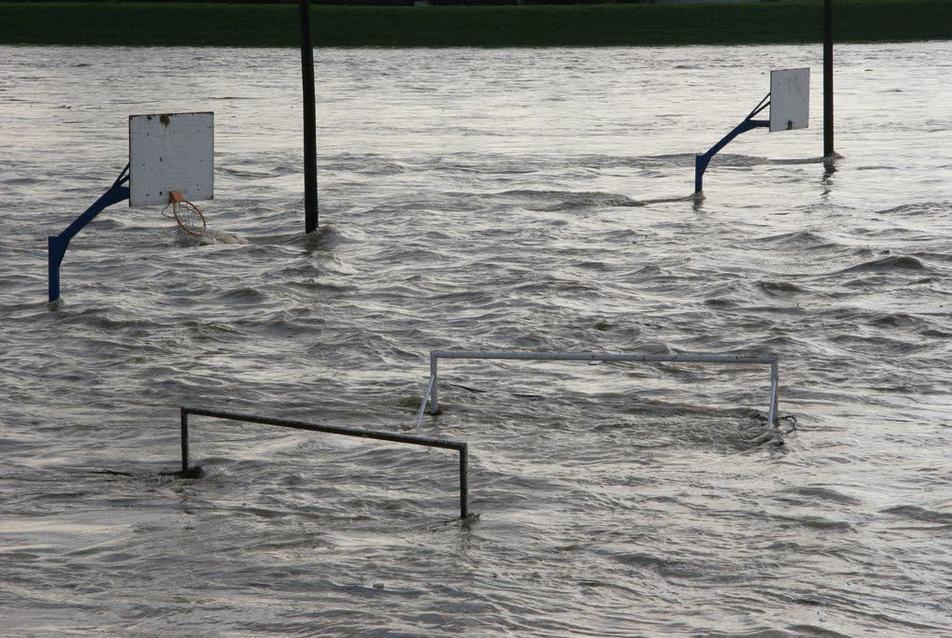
(273, 25)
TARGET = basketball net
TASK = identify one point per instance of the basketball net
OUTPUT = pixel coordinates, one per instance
(187, 215)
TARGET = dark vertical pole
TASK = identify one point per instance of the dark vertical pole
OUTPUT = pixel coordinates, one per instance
(464, 481)
(828, 78)
(310, 119)
(698, 174)
(184, 415)
(54, 257)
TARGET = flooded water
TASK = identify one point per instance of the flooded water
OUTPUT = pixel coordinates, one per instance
(481, 199)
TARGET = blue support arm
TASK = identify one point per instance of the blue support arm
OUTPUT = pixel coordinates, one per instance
(701, 161)
(56, 246)
(749, 124)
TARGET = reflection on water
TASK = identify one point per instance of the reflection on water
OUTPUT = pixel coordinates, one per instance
(510, 199)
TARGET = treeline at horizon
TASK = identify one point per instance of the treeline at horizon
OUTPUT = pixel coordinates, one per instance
(390, 3)
(456, 24)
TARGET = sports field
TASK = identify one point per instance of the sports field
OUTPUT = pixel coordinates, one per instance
(251, 25)
(528, 200)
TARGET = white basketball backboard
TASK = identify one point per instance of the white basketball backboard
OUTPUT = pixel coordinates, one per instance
(789, 99)
(171, 152)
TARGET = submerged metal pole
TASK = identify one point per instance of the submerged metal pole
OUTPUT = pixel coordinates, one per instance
(687, 357)
(749, 124)
(434, 380)
(394, 437)
(56, 245)
(184, 417)
(310, 119)
(827, 78)
(645, 357)
(426, 399)
(464, 481)
(774, 392)
(54, 258)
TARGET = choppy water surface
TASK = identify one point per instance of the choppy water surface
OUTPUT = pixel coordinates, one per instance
(481, 200)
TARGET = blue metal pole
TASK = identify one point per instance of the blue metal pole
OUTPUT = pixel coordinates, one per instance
(56, 245)
(701, 161)
(700, 165)
(54, 255)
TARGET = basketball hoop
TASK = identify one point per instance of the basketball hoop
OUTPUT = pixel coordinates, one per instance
(171, 164)
(789, 103)
(187, 215)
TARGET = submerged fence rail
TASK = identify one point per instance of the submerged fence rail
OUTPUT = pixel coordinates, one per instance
(393, 437)
(431, 394)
